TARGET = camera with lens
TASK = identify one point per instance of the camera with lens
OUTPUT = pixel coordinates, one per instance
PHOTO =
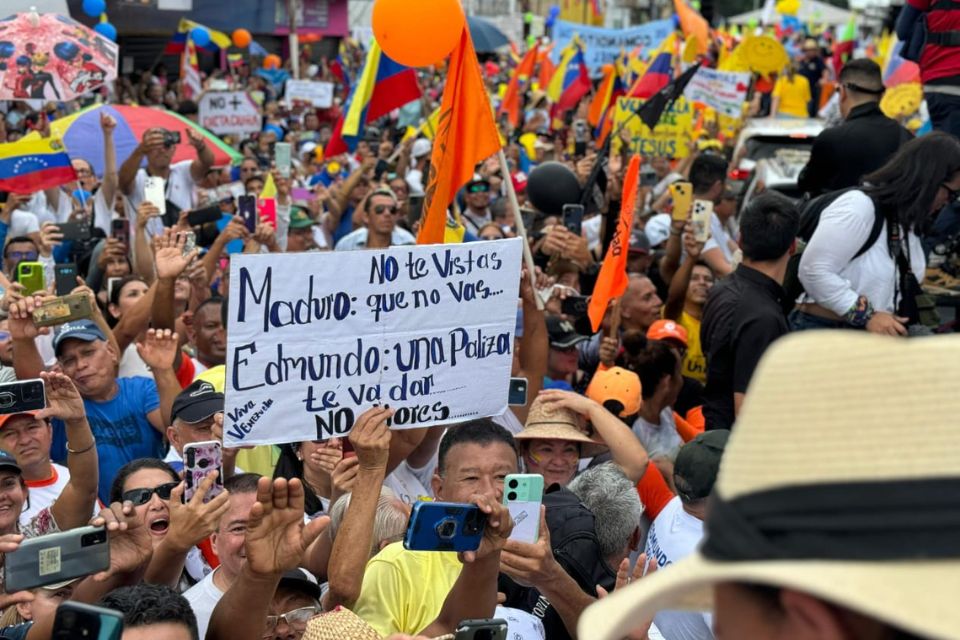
(171, 138)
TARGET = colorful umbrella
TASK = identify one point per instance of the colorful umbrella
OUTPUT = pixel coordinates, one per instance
(52, 57)
(83, 138)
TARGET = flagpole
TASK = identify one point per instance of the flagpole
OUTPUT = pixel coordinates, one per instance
(521, 228)
(294, 42)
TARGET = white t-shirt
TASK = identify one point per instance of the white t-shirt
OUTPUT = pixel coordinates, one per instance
(660, 440)
(131, 364)
(719, 238)
(22, 223)
(673, 536)
(203, 598)
(508, 420)
(44, 492)
(180, 191)
(410, 484)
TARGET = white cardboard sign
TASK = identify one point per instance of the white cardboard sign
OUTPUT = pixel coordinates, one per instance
(229, 112)
(319, 94)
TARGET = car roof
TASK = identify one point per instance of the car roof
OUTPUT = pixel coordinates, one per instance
(782, 127)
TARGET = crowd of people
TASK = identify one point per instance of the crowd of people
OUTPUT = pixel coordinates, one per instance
(627, 425)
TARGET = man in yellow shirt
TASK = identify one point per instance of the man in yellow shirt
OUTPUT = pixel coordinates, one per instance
(430, 592)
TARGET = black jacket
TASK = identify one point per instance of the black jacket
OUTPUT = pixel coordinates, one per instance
(843, 154)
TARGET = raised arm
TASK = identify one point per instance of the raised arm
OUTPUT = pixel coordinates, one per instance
(142, 251)
(27, 362)
(204, 160)
(536, 345)
(351, 548)
(158, 352)
(680, 282)
(110, 178)
(76, 502)
(127, 177)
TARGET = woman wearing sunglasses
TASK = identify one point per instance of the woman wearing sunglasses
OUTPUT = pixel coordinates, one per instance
(862, 264)
(179, 532)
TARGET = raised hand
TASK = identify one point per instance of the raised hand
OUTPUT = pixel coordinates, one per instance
(159, 350)
(531, 565)
(145, 213)
(50, 237)
(371, 438)
(20, 318)
(169, 256)
(107, 122)
(130, 545)
(344, 476)
(644, 567)
(569, 400)
(63, 399)
(112, 249)
(192, 522)
(196, 140)
(276, 534)
(495, 533)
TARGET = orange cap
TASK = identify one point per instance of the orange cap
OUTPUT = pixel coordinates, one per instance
(618, 386)
(6, 416)
(667, 330)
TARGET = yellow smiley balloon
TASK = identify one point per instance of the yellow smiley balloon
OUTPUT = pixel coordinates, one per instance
(762, 54)
(902, 100)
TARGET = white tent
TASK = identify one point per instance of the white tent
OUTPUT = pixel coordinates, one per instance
(810, 11)
(43, 6)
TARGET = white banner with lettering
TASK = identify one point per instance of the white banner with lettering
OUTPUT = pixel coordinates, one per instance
(229, 112)
(316, 339)
(319, 94)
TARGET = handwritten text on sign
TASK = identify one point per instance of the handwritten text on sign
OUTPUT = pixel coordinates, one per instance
(724, 91)
(316, 339)
(668, 139)
(226, 112)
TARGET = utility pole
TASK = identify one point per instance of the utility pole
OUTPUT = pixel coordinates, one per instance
(292, 7)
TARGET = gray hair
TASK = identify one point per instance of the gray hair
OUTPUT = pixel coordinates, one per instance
(389, 521)
(615, 504)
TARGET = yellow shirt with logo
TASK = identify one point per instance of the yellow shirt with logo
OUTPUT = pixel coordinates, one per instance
(694, 363)
(261, 459)
(403, 591)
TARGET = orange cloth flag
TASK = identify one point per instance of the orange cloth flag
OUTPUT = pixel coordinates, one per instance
(513, 98)
(612, 279)
(466, 134)
(693, 24)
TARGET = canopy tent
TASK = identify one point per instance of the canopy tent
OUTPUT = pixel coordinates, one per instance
(11, 7)
(811, 11)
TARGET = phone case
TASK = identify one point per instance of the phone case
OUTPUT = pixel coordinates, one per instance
(682, 195)
(78, 620)
(191, 242)
(155, 192)
(30, 275)
(23, 395)
(517, 396)
(64, 309)
(700, 218)
(282, 155)
(247, 208)
(522, 495)
(444, 526)
(65, 278)
(205, 215)
(573, 218)
(57, 557)
(76, 231)
(199, 459)
(484, 629)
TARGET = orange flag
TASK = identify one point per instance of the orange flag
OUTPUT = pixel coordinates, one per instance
(466, 134)
(612, 279)
(693, 24)
(513, 99)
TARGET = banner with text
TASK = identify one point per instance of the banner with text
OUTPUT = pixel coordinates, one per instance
(724, 91)
(316, 339)
(603, 46)
(318, 94)
(667, 140)
(229, 112)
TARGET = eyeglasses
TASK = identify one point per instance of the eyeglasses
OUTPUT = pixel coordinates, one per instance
(23, 255)
(142, 496)
(296, 619)
(481, 187)
(380, 208)
(952, 194)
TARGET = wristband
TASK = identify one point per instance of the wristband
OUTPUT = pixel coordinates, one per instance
(860, 313)
(84, 450)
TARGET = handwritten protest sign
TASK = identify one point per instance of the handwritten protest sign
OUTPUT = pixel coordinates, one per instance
(316, 339)
(319, 94)
(668, 139)
(602, 46)
(724, 91)
(229, 112)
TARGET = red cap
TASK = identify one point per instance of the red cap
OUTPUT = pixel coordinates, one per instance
(519, 180)
(6, 416)
(667, 330)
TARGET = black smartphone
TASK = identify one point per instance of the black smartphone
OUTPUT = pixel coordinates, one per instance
(78, 620)
(414, 210)
(171, 216)
(575, 306)
(120, 230)
(573, 217)
(517, 396)
(76, 231)
(485, 629)
(648, 179)
(65, 276)
(171, 138)
(210, 213)
(247, 209)
(22, 396)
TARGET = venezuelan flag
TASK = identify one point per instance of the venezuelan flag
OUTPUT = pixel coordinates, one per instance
(218, 39)
(31, 165)
(659, 73)
(571, 81)
(384, 85)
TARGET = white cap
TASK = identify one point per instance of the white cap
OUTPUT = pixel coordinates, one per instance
(658, 229)
(307, 147)
(421, 148)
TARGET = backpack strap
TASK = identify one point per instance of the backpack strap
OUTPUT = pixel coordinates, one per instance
(874, 232)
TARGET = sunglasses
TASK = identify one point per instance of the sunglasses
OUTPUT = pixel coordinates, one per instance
(380, 208)
(142, 496)
(478, 188)
(296, 619)
(23, 255)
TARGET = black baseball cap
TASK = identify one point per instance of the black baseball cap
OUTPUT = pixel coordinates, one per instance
(300, 580)
(563, 334)
(197, 402)
(8, 462)
(697, 463)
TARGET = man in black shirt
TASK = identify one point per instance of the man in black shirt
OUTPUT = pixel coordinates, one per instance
(843, 154)
(745, 312)
(814, 69)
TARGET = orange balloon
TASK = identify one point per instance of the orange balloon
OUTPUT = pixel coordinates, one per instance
(242, 38)
(272, 61)
(420, 33)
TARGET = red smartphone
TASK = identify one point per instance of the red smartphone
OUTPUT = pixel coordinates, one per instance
(348, 450)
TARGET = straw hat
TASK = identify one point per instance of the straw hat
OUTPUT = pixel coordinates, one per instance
(339, 624)
(823, 425)
(551, 422)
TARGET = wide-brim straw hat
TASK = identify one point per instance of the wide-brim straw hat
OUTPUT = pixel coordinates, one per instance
(864, 429)
(547, 421)
(339, 624)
